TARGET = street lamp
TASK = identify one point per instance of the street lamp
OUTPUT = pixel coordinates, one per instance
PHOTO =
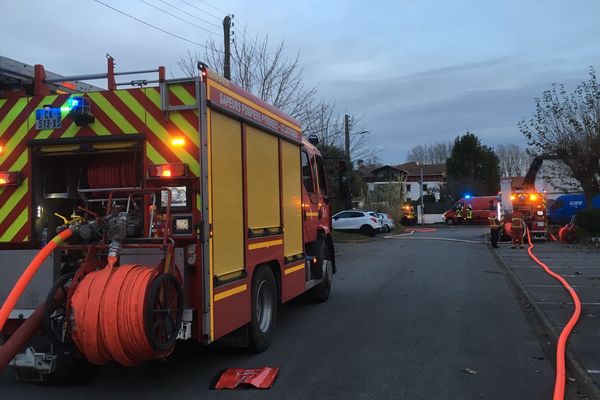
(349, 167)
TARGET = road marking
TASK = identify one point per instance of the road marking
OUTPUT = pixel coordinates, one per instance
(435, 238)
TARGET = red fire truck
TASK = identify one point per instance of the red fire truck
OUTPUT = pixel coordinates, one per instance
(530, 205)
(186, 209)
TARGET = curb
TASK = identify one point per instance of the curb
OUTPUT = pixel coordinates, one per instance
(583, 380)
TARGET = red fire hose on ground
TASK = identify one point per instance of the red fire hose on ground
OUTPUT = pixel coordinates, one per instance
(559, 385)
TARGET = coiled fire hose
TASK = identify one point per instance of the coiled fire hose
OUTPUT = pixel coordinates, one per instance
(28, 274)
(559, 385)
(112, 313)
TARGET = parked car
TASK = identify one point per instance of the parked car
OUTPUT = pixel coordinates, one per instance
(365, 222)
(387, 223)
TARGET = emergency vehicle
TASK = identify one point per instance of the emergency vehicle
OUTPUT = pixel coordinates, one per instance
(186, 209)
(529, 203)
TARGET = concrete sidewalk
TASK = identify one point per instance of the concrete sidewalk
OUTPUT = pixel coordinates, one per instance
(553, 306)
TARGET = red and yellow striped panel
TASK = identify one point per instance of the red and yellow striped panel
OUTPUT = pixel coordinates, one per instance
(119, 112)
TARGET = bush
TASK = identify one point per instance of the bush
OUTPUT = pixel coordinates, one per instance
(589, 220)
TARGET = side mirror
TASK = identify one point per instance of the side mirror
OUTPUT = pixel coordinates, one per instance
(313, 139)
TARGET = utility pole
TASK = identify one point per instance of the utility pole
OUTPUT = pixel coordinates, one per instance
(348, 162)
(421, 191)
(227, 43)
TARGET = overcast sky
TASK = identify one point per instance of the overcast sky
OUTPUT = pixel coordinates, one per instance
(417, 71)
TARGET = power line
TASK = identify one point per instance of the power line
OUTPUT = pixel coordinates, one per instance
(190, 14)
(201, 10)
(150, 25)
(211, 6)
(179, 18)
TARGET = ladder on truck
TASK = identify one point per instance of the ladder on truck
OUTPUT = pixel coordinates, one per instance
(17, 80)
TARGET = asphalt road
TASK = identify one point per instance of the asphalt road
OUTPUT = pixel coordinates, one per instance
(406, 318)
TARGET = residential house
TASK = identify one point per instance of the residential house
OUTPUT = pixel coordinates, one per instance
(434, 177)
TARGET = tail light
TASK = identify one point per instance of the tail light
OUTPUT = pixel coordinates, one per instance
(374, 220)
(167, 171)
(10, 178)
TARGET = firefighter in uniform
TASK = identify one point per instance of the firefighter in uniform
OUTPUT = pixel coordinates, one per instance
(517, 230)
(494, 231)
(469, 214)
(459, 212)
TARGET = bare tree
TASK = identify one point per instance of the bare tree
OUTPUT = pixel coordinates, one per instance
(514, 160)
(436, 153)
(263, 69)
(568, 125)
(266, 73)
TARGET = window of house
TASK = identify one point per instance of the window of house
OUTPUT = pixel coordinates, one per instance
(408, 188)
(424, 187)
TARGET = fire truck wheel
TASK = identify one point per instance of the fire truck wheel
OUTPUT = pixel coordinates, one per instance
(264, 309)
(55, 325)
(320, 293)
(449, 221)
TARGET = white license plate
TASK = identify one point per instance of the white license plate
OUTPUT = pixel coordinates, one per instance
(47, 118)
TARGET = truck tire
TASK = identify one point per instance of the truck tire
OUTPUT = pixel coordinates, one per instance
(264, 309)
(320, 293)
(367, 230)
(449, 221)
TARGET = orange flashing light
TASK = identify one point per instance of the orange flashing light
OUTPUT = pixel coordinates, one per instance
(513, 197)
(178, 141)
(1, 150)
(533, 197)
(10, 178)
(174, 170)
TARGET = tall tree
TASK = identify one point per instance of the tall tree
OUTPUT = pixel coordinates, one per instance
(514, 160)
(568, 125)
(472, 167)
(436, 153)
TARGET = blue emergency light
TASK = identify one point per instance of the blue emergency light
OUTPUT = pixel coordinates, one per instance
(467, 196)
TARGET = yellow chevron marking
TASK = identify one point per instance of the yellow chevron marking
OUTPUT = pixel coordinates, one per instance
(13, 200)
(15, 227)
(161, 133)
(154, 155)
(293, 269)
(72, 130)
(112, 112)
(230, 292)
(154, 96)
(185, 127)
(183, 95)
(99, 129)
(2, 101)
(12, 114)
(198, 203)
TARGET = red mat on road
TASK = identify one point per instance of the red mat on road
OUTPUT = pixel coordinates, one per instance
(259, 378)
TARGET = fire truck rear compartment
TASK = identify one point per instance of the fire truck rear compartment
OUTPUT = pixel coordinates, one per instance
(82, 176)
